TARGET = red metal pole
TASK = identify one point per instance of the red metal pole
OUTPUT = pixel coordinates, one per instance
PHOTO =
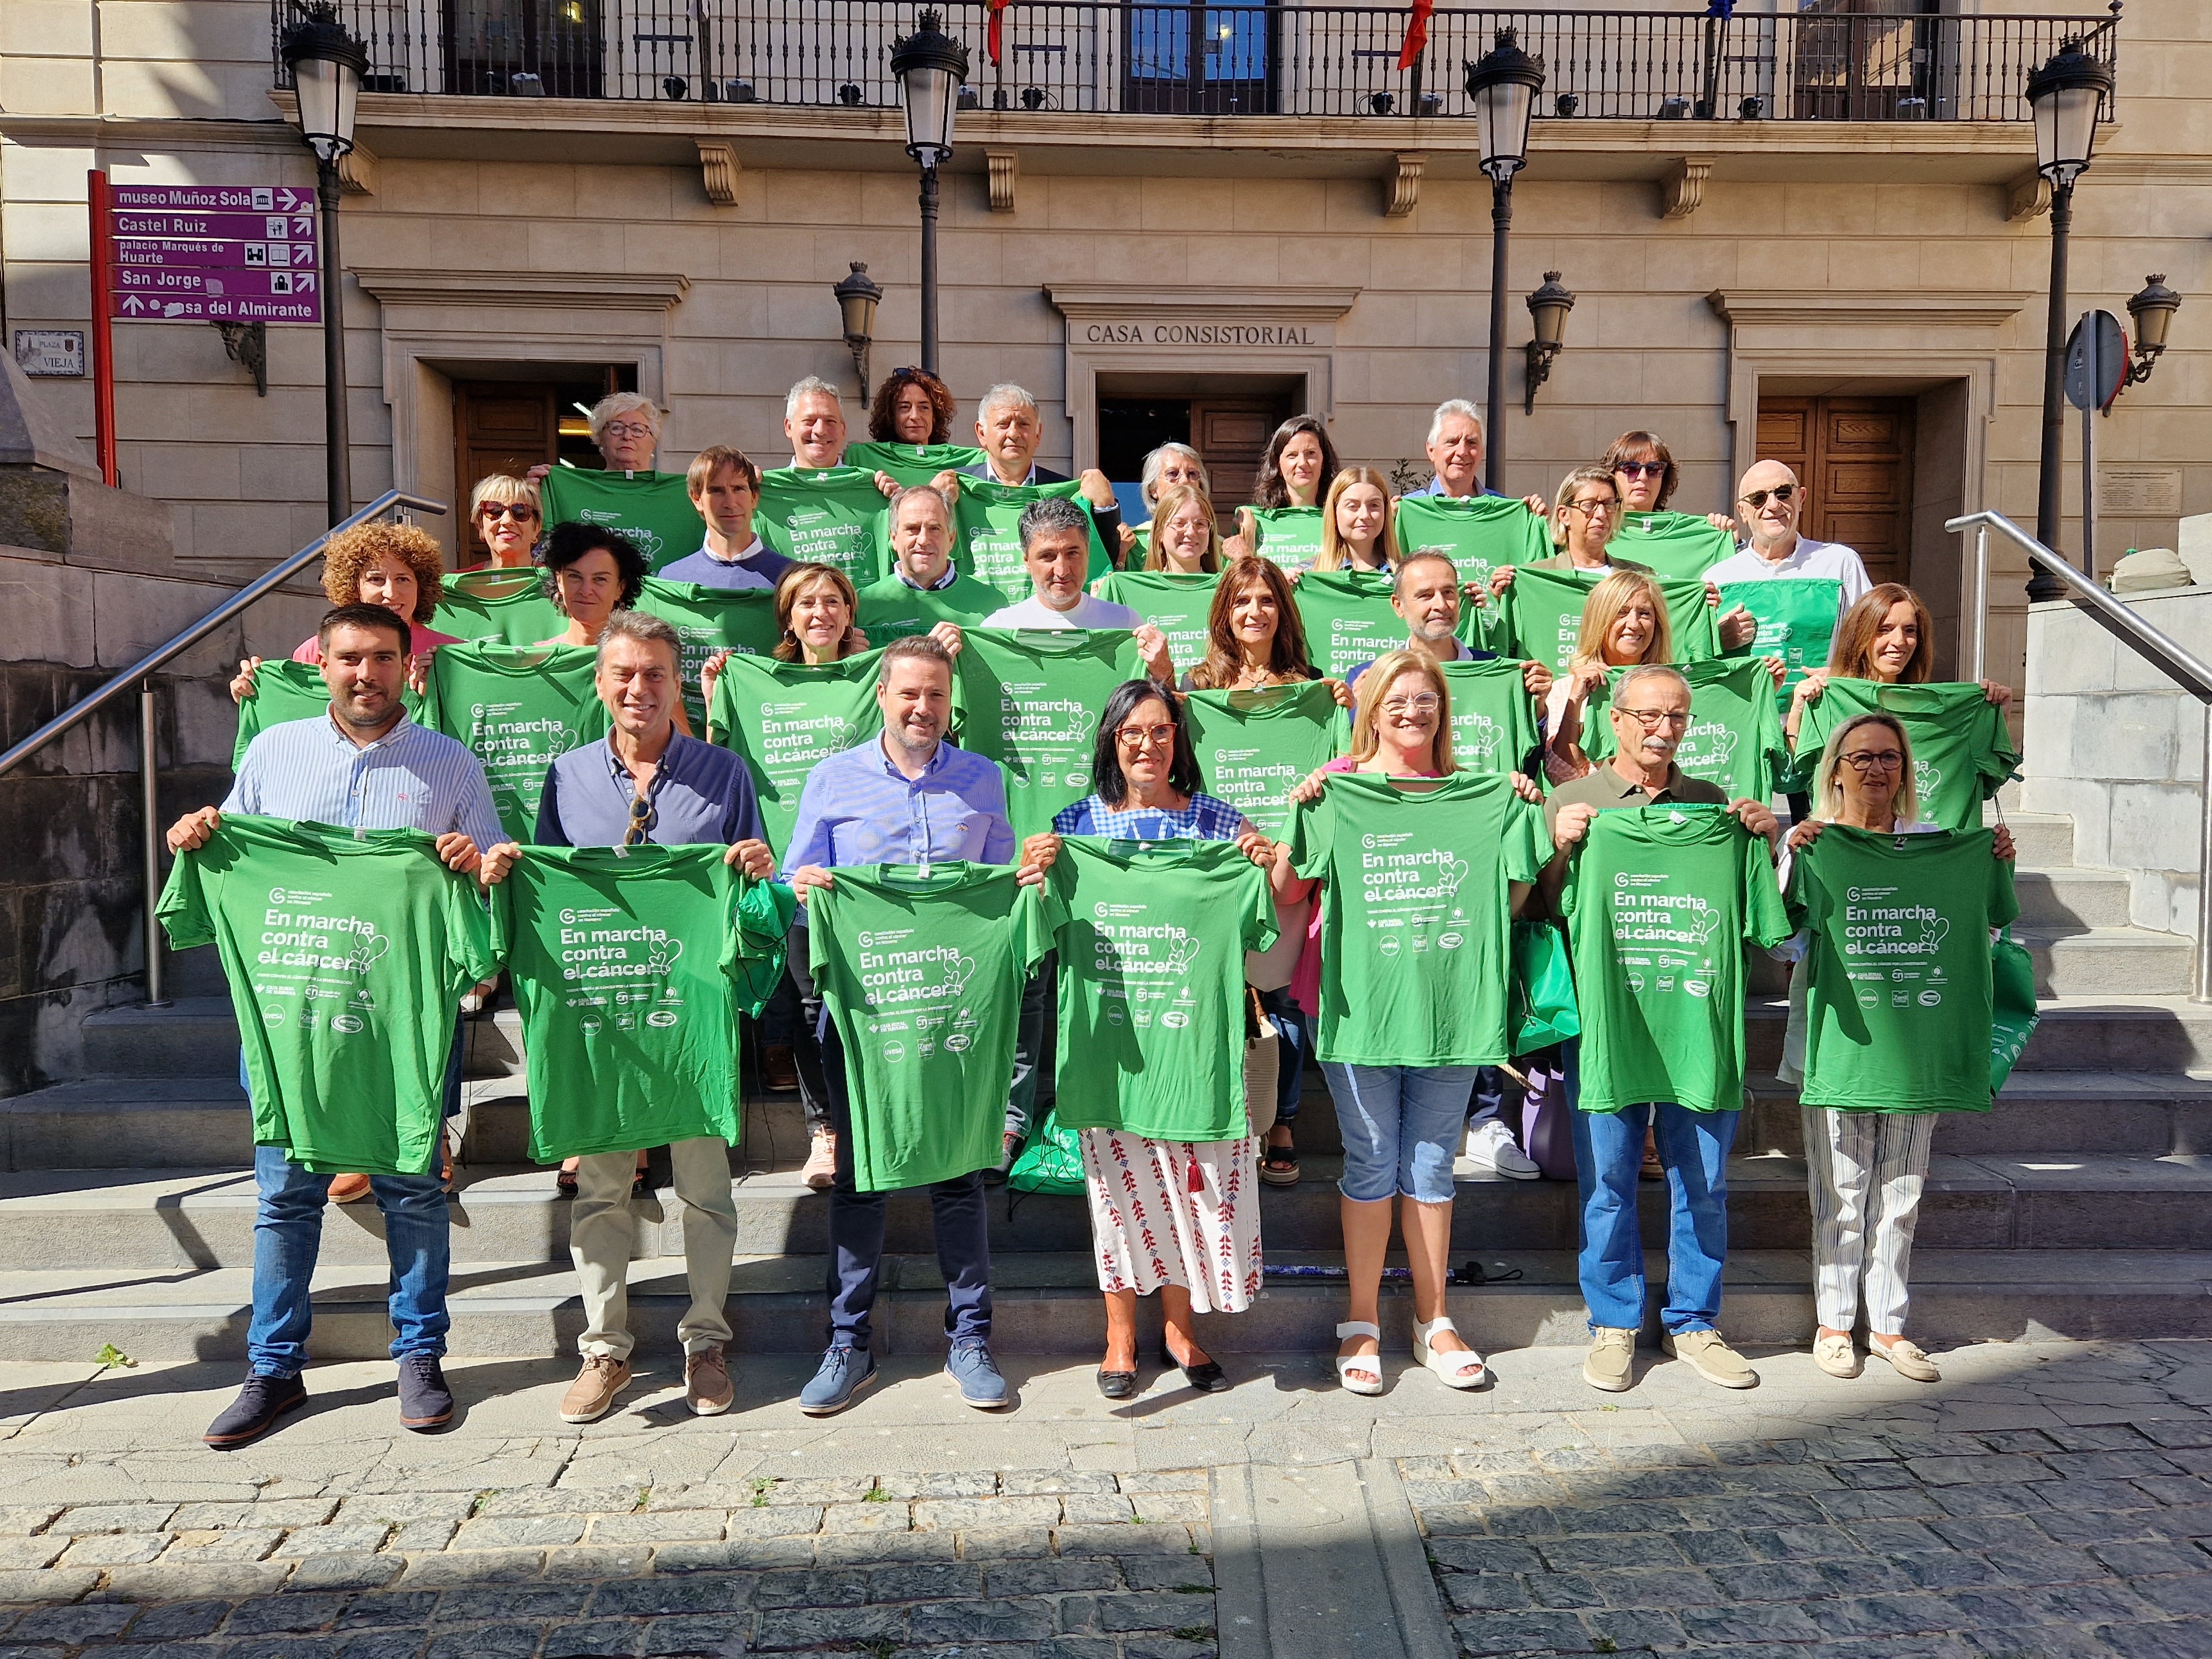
(103, 341)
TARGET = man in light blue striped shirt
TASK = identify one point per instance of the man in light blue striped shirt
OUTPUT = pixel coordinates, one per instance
(363, 766)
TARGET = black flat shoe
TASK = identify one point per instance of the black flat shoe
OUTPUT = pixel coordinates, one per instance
(1207, 1377)
(1118, 1385)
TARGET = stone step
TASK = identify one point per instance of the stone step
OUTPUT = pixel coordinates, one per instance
(2072, 897)
(2042, 840)
(2121, 962)
(1048, 1303)
(204, 1220)
(2047, 1114)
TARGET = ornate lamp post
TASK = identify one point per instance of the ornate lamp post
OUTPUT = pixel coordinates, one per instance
(1504, 86)
(930, 67)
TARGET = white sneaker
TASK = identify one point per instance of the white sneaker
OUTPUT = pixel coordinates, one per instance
(1489, 1146)
(820, 1169)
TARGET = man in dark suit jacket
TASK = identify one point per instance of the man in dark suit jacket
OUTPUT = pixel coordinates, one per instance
(1009, 429)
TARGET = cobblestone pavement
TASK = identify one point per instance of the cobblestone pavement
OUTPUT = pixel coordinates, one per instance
(2045, 1499)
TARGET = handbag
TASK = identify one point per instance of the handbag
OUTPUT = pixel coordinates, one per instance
(2012, 1015)
(1263, 1058)
(1271, 969)
(1051, 1162)
(1541, 1010)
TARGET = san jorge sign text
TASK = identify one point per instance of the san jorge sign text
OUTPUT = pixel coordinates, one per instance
(1198, 334)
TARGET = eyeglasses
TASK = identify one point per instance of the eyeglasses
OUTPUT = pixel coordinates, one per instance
(1595, 509)
(1641, 469)
(642, 816)
(1138, 736)
(626, 429)
(1757, 499)
(1652, 718)
(519, 512)
(1421, 703)
(1874, 760)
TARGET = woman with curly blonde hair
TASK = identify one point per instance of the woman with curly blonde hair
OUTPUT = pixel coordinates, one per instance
(396, 566)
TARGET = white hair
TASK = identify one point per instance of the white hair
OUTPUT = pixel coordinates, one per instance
(1446, 410)
(926, 493)
(1157, 462)
(616, 404)
(813, 387)
(1649, 671)
(1005, 392)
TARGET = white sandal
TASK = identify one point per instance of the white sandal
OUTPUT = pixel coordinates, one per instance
(1346, 1364)
(1463, 1370)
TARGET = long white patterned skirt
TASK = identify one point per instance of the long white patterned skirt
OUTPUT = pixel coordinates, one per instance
(1176, 1213)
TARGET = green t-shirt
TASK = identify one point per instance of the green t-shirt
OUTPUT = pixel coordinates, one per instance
(1962, 752)
(1734, 740)
(1348, 619)
(1416, 946)
(708, 620)
(785, 717)
(1898, 992)
(1493, 718)
(829, 515)
(1657, 905)
(1177, 605)
(912, 464)
(1151, 937)
(346, 953)
(1030, 699)
(1253, 747)
(518, 711)
(511, 605)
(623, 960)
(293, 691)
(653, 509)
(1796, 622)
(1289, 536)
(1671, 544)
(890, 610)
(1479, 533)
(986, 541)
(1544, 615)
(923, 979)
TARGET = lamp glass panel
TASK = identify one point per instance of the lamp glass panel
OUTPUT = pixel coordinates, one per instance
(2076, 112)
(1504, 108)
(323, 95)
(1551, 322)
(931, 98)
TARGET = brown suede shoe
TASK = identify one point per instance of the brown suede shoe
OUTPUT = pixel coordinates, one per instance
(706, 1386)
(348, 1188)
(592, 1395)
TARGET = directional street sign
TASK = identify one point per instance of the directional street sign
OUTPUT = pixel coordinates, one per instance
(191, 253)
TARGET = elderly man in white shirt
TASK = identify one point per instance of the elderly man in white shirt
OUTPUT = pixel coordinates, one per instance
(1769, 501)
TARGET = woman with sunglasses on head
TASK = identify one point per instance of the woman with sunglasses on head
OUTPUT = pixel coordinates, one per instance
(1181, 1217)
(1866, 1169)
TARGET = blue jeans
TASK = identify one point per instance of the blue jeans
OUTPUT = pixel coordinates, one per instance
(1294, 1033)
(1489, 1095)
(1401, 1127)
(1608, 1151)
(287, 1234)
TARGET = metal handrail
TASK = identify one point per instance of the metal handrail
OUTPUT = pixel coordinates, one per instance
(2160, 650)
(142, 671)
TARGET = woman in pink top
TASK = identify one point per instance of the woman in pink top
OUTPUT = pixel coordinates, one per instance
(396, 566)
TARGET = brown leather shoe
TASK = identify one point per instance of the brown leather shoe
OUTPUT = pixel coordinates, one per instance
(348, 1188)
(706, 1386)
(778, 1069)
(592, 1395)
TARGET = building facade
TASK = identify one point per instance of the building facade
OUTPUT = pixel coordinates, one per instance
(1814, 234)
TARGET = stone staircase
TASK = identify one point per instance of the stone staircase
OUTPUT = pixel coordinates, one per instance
(2078, 1208)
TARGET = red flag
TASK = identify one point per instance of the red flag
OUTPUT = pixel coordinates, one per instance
(991, 35)
(1417, 34)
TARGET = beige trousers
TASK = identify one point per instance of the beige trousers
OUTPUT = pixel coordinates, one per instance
(599, 1238)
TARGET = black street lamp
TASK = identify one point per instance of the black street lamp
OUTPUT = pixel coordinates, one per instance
(930, 67)
(2153, 310)
(1503, 87)
(326, 64)
(1548, 309)
(2066, 95)
(857, 298)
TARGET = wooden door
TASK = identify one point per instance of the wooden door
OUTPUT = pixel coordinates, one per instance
(500, 426)
(1853, 456)
(1231, 435)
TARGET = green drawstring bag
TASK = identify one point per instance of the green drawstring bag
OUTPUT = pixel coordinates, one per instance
(1541, 1009)
(1051, 1162)
(2012, 1005)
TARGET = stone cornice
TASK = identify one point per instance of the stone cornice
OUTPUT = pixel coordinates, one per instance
(1867, 306)
(1169, 303)
(566, 290)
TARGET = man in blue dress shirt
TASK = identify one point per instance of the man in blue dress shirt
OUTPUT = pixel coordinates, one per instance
(905, 797)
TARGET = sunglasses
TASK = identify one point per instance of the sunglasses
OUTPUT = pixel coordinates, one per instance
(1641, 469)
(519, 511)
(642, 816)
(1757, 499)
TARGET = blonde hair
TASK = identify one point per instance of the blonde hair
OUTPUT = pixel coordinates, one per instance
(1375, 685)
(1565, 493)
(347, 555)
(1334, 549)
(1603, 608)
(503, 487)
(1828, 801)
(616, 404)
(1171, 502)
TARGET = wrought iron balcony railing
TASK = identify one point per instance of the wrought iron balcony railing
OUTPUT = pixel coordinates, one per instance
(1830, 61)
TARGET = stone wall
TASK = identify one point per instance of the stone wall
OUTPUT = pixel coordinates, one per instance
(2117, 745)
